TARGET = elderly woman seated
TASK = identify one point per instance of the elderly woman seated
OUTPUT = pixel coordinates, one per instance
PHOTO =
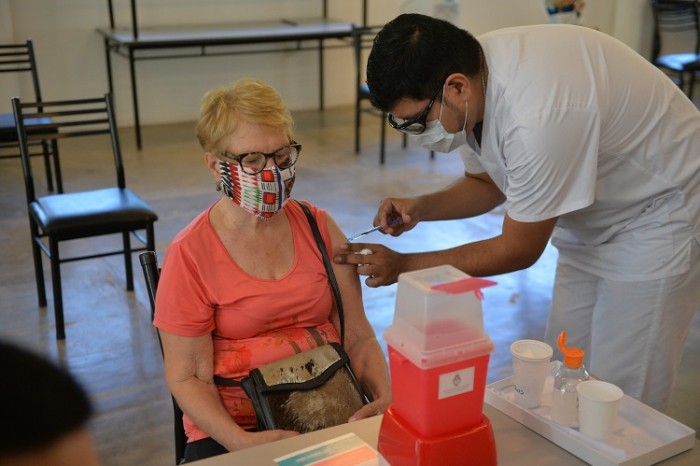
(244, 283)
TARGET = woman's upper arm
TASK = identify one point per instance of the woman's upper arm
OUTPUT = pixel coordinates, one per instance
(187, 357)
(356, 324)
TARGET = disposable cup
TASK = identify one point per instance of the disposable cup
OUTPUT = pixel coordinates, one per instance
(530, 367)
(597, 408)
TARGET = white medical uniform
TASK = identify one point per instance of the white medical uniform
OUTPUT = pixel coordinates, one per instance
(579, 126)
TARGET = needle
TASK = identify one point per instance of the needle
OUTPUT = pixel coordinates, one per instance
(352, 238)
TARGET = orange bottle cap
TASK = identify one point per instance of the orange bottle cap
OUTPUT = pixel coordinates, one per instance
(573, 357)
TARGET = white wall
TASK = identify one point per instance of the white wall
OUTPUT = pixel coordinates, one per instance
(71, 57)
(8, 81)
(5, 21)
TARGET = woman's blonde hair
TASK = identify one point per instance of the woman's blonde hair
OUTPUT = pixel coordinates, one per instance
(224, 108)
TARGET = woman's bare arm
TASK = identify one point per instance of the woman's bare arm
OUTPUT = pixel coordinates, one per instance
(189, 372)
(368, 360)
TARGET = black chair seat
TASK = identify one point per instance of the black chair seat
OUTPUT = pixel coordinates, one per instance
(90, 210)
(680, 62)
(364, 90)
(8, 132)
(677, 16)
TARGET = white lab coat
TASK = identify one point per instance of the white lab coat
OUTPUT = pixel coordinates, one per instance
(578, 126)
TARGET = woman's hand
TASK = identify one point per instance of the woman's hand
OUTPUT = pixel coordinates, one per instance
(251, 439)
(372, 409)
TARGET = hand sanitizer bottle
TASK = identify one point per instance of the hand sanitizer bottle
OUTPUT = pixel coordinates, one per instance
(568, 376)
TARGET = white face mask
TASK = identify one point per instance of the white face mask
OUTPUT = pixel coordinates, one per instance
(435, 137)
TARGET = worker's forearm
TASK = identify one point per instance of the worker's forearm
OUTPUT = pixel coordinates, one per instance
(467, 197)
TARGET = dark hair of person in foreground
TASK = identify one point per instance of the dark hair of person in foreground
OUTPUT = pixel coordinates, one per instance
(43, 411)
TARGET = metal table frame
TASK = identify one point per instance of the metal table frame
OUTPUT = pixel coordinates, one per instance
(129, 43)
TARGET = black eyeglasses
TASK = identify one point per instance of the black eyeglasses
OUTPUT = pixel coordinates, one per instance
(416, 125)
(254, 162)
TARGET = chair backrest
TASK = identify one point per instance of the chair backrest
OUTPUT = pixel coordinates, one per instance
(68, 119)
(674, 16)
(151, 274)
(19, 58)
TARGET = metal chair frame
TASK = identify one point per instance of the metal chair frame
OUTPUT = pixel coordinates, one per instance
(20, 58)
(362, 37)
(83, 214)
(672, 16)
(151, 274)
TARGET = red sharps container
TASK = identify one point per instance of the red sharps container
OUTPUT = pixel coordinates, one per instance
(438, 356)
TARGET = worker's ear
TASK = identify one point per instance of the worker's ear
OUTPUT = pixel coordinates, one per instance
(459, 86)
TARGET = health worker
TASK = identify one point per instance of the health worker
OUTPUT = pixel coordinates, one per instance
(589, 145)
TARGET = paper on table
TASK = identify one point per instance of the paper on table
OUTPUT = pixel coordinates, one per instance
(343, 450)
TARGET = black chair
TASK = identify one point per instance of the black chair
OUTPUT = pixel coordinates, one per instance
(19, 58)
(363, 37)
(151, 274)
(82, 214)
(672, 16)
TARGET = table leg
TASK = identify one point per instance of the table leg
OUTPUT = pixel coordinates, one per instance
(137, 120)
(108, 61)
(320, 74)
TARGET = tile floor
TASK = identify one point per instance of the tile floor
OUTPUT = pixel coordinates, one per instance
(112, 348)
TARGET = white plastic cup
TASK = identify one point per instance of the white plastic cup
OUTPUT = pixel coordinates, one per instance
(530, 367)
(597, 408)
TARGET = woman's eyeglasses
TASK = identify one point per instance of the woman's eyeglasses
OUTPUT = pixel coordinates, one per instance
(415, 125)
(255, 162)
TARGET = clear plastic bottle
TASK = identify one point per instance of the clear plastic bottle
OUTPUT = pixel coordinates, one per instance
(569, 375)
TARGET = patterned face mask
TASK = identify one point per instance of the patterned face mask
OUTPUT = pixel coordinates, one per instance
(263, 194)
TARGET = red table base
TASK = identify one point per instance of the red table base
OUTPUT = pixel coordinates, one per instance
(401, 445)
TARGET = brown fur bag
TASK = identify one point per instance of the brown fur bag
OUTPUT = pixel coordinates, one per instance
(305, 392)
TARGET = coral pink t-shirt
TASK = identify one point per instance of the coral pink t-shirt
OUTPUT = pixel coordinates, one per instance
(252, 321)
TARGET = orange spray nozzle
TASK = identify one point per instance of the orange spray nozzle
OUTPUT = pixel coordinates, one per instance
(573, 357)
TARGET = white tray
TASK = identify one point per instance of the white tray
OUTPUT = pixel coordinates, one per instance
(641, 435)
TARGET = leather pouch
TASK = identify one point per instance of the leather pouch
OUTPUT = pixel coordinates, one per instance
(305, 392)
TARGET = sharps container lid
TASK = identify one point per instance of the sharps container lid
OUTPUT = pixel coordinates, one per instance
(438, 318)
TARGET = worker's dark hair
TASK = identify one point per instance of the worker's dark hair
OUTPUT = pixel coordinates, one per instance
(413, 54)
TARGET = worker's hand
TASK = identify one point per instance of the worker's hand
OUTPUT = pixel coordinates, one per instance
(393, 208)
(380, 264)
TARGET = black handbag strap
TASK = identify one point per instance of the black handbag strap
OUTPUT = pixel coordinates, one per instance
(331, 278)
(329, 268)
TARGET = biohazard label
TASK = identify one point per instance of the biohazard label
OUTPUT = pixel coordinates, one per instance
(456, 383)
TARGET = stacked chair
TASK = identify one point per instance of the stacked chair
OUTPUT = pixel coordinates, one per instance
(19, 59)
